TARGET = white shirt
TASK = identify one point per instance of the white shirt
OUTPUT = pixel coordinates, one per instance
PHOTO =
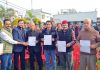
(5, 37)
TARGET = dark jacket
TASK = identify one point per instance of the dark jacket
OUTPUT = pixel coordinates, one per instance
(36, 34)
(66, 36)
(54, 35)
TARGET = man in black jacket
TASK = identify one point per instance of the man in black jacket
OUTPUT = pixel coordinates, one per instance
(35, 49)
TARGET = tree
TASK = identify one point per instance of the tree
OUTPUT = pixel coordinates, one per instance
(6, 13)
(10, 12)
(2, 11)
(1, 25)
(37, 21)
(15, 22)
(29, 14)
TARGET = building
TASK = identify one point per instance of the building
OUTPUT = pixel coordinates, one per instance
(44, 16)
(19, 11)
(73, 17)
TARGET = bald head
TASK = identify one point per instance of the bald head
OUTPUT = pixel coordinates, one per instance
(87, 24)
(32, 25)
(88, 21)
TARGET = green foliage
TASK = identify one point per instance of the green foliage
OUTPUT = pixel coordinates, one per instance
(15, 22)
(10, 12)
(6, 13)
(37, 20)
(29, 14)
(1, 24)
(2, 11)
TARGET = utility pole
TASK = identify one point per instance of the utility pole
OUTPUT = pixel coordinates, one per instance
(31, 4)
(6, 4)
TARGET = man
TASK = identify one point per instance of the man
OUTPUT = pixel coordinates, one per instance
(50, 50)
(59, 27)
(6, 39)
(35, 50)
(89, 38)
(19, 50)
(66, 35)
(77, 29)
(98, 27)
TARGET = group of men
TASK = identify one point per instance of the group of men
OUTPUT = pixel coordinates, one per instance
(16, 40)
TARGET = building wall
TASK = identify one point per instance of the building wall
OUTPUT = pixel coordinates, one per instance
(76, 16)
(42, 15)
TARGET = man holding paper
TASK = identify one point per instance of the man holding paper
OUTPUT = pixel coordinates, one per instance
(89, 39)
(34, 46)
(19, 34)
(66, 38)
(49, 36)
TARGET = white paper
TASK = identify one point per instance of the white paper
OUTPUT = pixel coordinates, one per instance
(32, 41)
(47, 39)
(61, 46)
(85, 46)
(1, 48)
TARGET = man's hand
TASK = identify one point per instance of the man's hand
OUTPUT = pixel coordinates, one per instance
(42, 43)
(37, 41)
(68, 45)
(93, 46)
(25, 43)
(78, 44)
(19, 43)
(42, 39)
(53, 39)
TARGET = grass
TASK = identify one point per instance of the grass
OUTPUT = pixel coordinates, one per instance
(98, 63)
(58, 67)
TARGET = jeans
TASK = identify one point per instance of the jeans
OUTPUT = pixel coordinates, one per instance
(65, 58)
(69, 60)
(6, 60)
(50, 54)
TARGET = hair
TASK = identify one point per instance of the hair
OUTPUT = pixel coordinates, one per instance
(4, 21)
(58, 24)
(20, 20)
(49, 22)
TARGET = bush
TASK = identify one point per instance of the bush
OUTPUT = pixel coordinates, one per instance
(15, 22)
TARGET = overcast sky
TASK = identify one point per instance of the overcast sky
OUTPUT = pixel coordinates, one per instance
(53, 6)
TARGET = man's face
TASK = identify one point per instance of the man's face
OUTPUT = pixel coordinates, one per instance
(7, 24)
(87, 24)
(59, 26)
(48, 25)
(32, 26)
(77, 25)
(21, 24)
(65, 26)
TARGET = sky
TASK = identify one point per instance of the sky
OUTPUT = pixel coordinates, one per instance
(53, 6)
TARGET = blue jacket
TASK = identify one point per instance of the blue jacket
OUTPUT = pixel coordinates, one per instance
(20, 36)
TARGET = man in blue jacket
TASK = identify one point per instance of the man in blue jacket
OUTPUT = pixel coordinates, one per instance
(19, 50)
